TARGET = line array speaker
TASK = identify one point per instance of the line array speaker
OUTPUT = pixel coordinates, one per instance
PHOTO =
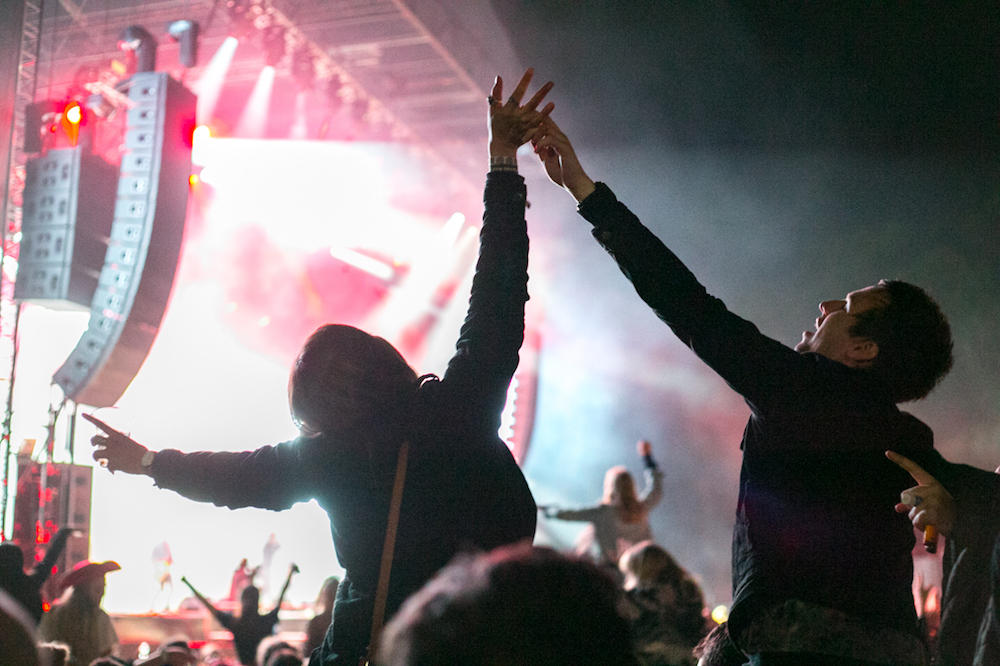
(69, 200)
(142, 255)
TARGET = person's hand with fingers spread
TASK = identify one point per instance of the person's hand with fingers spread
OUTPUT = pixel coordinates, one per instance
(119, 452)
(927, 503)
(512, 125)
(560, 161)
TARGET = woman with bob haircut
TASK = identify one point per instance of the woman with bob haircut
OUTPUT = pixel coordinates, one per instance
(356, 401)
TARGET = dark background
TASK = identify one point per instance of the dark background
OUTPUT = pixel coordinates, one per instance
(788, 153)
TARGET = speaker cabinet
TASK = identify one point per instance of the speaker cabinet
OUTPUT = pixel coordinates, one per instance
(69, 201)
(143, 252)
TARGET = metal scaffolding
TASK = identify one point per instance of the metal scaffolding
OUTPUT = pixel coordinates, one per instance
(9, 310)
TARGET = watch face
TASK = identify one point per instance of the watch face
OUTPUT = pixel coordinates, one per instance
(147, 458)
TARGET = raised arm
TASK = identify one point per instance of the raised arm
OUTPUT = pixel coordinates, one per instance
(43, 570)
(753, 364)
(294, 569)
(223, 618)
(653, 493)
(487, 350)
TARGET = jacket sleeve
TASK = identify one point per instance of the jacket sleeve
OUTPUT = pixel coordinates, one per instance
(753, 364)
(653, 493)
(486, 354)
(272, 477)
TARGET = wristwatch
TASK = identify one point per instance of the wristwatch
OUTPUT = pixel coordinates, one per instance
(147, 459)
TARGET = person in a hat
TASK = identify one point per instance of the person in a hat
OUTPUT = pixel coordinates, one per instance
(79, 621)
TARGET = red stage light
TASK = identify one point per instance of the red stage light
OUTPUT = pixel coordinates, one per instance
(73, 113)
(72, 116)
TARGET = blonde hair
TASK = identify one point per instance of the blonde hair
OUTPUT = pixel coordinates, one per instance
(619, 492)
(648, 565)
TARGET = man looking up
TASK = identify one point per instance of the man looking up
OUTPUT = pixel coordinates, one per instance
(821, 562)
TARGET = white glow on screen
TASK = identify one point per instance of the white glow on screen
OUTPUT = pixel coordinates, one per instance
(211, 383)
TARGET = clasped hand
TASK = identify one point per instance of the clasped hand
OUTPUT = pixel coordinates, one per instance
(512, 125)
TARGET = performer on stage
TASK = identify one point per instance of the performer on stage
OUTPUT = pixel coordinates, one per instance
(356, 401)
(621, 520)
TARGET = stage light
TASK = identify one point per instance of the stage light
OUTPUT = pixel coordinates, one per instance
(193, 179)
(363, 262)
(209, 86)
(720, 614)
(137, 41)
(72, 116)
(186, 34)
(253, 121)
(273, 40)
(73, 113)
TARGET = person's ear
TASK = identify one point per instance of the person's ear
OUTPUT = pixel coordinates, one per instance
(863, 352)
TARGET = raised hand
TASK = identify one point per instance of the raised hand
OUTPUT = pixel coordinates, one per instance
(116, 450)
(928, 503)
(512, 125)
(560, 161)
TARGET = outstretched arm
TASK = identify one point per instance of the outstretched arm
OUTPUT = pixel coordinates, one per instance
(271, 477)
(219, 615)
(486, 354)
(205, 602)
(753, 364)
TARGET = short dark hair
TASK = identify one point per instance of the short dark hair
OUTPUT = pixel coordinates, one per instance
(913, 338)
(514, 605)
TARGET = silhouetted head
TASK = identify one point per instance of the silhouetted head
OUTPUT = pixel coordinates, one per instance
(515, 605)
(249, 599)
(11, 556)
(345, 380)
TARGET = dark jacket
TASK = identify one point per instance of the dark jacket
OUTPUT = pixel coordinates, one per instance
(969, 633)
(815, 518)
(463, 488)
